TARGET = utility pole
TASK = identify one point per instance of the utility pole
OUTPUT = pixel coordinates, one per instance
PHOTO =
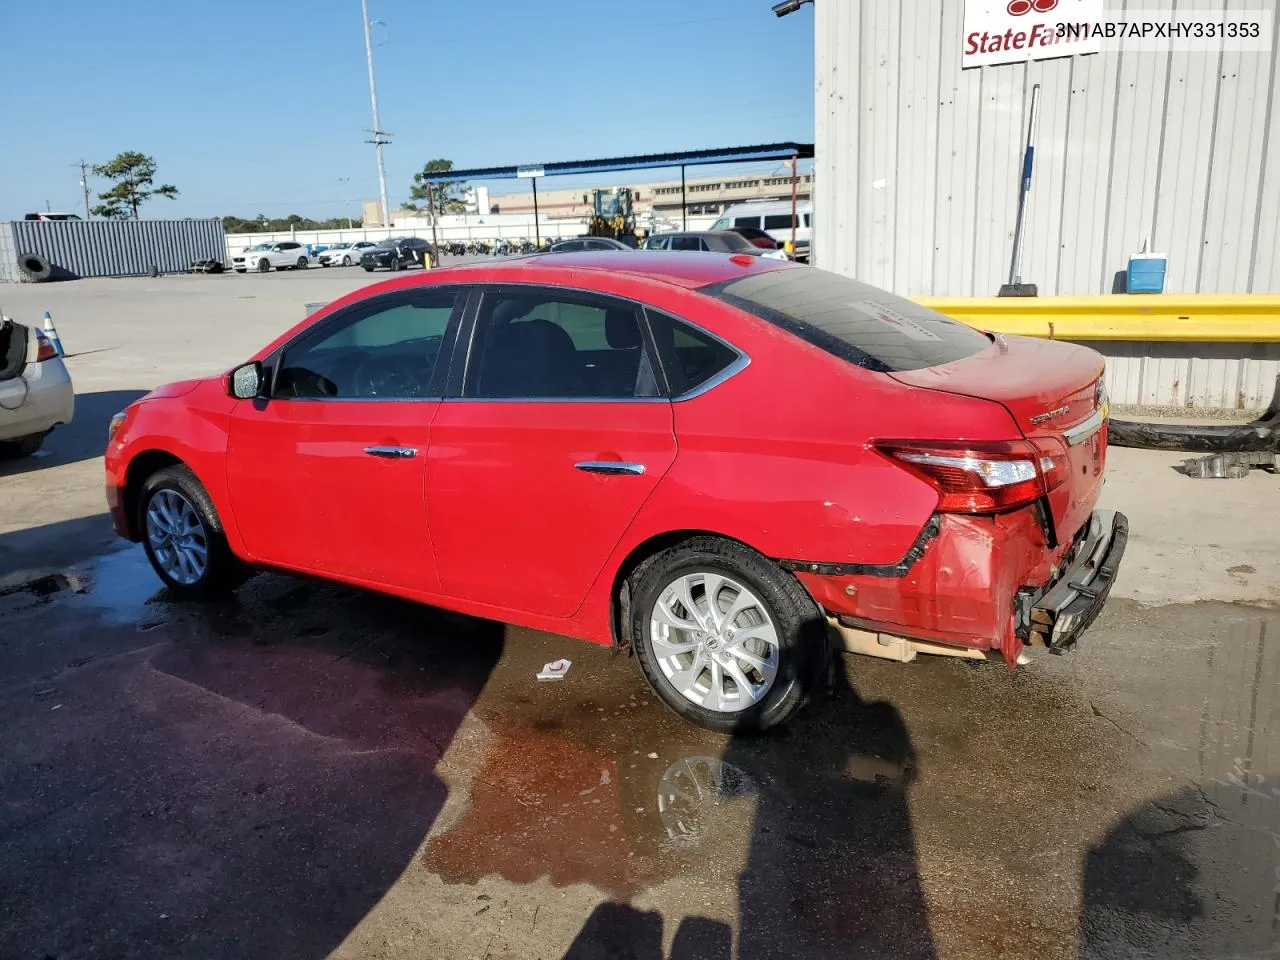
(84, 184)
(379, 137)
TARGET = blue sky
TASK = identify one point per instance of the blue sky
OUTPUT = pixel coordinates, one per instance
(261, 108)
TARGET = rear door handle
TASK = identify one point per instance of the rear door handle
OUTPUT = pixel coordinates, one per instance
(611, 467)
(392, 453)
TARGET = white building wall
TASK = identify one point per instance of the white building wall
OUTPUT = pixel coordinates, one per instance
(918, 162)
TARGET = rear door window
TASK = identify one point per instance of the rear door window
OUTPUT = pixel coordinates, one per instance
(778, 221)
(543, 344)
(859, 323)
(746, 221)
(686, 243)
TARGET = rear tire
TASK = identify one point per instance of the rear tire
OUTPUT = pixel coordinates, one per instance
(743, 672)
(302, 263)
(22, 447)
(184, 538)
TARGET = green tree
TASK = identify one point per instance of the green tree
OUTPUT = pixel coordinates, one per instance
(262, 224)
(133, 173)
(443, 197)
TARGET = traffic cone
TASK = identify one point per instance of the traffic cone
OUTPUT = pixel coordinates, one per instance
(51, 333)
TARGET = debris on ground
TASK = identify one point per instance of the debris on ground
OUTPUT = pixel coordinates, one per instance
(555, 670)
(1228, 466)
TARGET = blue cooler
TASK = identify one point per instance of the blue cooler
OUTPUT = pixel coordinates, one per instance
(1146, 272)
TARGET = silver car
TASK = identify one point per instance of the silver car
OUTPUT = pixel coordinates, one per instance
(35, 389)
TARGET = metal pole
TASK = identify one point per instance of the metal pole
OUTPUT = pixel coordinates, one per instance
(537, 238)
(1019, 230)
(794, 158)
(431, 208)
(373, 102)
(684, 213)
(84, 185)
(345, 201)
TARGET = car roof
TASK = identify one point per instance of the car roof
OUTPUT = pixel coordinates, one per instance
(687, 269)
(692, 233)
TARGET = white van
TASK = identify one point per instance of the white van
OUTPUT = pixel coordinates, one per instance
(774, 218)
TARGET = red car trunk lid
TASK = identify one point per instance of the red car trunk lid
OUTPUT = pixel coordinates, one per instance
(1052, 389)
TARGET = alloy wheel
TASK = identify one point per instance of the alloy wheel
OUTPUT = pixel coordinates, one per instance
(714, 641)
(177, 537)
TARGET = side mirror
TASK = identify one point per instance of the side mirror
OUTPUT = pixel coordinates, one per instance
(245, 381)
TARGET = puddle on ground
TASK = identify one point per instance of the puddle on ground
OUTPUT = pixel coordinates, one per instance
(1160, 790)
(122, 588)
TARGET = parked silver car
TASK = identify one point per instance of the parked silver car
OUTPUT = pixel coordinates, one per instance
(35, 389)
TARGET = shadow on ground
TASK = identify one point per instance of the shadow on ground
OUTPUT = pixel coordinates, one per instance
(239, 779)
(84, 438)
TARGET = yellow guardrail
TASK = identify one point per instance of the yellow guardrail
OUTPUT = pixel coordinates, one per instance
(1169, 316)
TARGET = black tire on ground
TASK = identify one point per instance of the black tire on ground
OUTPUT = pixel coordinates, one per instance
(803, 648)
(346, 261)
(302, 263)
(264, 265)
(368, 269)
(22, 447)
(224, 571)
(35, 267)
(396, 264)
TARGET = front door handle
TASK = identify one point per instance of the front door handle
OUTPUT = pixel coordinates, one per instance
(611, 467)
(392, 453)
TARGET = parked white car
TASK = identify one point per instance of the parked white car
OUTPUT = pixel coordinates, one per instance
(35, 389)
(344, 254)
(283, 255)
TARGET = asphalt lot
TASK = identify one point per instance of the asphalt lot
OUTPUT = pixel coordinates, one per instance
(309, 770)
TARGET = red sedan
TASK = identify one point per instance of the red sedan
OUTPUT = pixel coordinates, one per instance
(718, 461)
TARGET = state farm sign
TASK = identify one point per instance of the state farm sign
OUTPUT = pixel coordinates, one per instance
(1014, 31)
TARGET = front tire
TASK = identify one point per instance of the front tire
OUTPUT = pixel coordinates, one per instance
(368, 269)
(346, 261)
(725, 637)
(183, 537)
(396, 264)
(264, 265)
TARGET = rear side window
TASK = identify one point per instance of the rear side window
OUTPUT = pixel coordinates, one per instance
(856, 322)
(687, 243)
(778, 221)
(690, 357)
(746, 221)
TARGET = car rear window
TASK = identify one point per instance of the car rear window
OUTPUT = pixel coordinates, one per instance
(859, 323)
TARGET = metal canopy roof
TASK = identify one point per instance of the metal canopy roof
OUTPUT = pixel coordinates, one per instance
(767, 151)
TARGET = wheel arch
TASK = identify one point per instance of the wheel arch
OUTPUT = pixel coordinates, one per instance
(142, 466)
(635, 561)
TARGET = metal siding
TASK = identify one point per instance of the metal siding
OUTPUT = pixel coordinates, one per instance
(1181, 148)
(113, 248)
(1218, 376)
(8, 254)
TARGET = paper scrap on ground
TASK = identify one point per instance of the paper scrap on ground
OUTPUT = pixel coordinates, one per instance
(555, 670)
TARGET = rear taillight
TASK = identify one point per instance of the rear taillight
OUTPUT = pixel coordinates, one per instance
(980, 477)
(1054, 465)
(45, 349)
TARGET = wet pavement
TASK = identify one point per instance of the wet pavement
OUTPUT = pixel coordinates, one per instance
(309, 769)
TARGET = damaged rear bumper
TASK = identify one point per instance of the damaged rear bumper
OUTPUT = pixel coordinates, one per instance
(1067, 608)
